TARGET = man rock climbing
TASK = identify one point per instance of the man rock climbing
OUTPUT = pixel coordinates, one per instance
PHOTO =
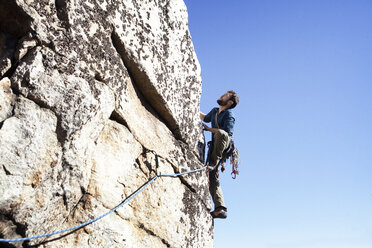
(223, 121)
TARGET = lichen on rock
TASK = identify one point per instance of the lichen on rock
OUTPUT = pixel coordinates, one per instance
(89, 92)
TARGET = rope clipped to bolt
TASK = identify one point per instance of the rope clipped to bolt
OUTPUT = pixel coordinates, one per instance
(128, 199)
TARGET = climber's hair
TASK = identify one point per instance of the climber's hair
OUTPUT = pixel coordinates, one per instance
(234, 97)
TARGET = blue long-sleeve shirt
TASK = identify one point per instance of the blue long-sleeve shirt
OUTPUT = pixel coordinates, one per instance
(225, 120)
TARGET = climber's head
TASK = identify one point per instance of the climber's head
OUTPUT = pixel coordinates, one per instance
(230, 99)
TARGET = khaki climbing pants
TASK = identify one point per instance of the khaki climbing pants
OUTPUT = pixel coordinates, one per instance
(221, 142)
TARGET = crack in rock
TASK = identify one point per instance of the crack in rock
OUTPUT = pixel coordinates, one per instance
(142, 226)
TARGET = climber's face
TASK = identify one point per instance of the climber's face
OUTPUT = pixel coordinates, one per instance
(225, 99)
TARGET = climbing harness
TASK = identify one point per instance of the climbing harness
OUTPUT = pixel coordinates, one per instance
(133, 195)
(230, 153)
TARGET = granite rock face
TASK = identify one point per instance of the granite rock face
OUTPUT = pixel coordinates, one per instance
(89, 92)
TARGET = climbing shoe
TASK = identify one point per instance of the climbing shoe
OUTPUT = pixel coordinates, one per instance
(219, 213)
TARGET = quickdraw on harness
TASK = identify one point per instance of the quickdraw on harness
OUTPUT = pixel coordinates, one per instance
(234, 161)
(230, 153)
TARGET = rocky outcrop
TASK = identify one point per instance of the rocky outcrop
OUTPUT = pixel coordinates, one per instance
(89, 92)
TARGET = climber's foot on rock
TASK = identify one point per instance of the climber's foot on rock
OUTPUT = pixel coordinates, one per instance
(219, 214)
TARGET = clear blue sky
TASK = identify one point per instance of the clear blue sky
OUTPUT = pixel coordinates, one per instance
(303, 72)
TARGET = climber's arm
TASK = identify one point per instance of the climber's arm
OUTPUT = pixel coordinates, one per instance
(213, 130)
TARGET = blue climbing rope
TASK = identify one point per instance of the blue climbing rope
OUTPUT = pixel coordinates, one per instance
(182, 173)
(105, 214)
